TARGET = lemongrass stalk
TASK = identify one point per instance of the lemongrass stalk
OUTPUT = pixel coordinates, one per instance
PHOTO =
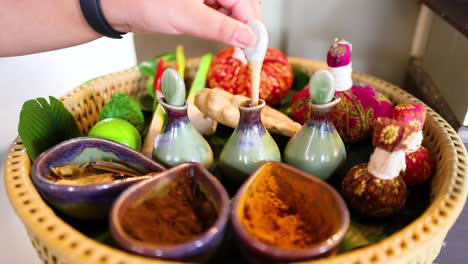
(180, 59)
(199, 82)
(202, 123)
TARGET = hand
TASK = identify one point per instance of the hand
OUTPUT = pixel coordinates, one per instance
(219, 20)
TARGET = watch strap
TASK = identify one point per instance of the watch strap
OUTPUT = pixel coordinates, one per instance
(93, 14)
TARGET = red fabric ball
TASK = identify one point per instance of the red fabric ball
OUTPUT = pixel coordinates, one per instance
(419, 166)
(413, 114)
(300, 105)
(232, 75)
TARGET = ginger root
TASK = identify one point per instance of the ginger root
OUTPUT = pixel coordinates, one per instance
(222, 106)
(201, 122)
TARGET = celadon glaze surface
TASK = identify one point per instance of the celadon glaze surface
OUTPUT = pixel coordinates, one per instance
(249, 146)
(179, 142)
(317, 148)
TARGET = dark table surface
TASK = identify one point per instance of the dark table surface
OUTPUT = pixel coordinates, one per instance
(455, 248)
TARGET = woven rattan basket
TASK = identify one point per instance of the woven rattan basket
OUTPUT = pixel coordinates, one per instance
(419, 242)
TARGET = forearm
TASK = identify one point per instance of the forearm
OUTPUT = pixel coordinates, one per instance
(30, 26)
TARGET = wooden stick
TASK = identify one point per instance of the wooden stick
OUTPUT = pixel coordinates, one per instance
(155, 128)
(255, 56)
(255, 69)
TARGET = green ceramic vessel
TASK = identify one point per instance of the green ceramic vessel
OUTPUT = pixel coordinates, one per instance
(249, 146)
(179, 142)
(317, 148)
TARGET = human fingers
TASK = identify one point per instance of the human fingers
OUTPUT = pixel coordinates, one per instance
(208, 23)
(243, 10)
(215, 5)
(212, 3)
(257, 7)
(225, 11)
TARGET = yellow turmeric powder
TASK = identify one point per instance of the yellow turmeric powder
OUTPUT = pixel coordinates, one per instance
(279, 214)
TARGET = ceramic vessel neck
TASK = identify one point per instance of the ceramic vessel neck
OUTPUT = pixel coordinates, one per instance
(175, 114)
(250, 116)
(322, 112)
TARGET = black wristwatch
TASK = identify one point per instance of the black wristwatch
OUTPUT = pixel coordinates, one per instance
(93, 14)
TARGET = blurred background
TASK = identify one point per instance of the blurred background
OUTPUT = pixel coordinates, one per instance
(382, 33)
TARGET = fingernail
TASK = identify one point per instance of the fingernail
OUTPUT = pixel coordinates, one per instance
(244, 37)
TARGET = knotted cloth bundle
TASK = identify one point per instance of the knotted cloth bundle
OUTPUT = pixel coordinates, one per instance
(375, 189)
(360, 104)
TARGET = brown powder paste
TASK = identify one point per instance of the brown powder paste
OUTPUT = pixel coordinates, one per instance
(278, 215)
(177, 217)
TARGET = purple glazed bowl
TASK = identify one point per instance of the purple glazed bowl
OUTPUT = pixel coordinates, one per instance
(200, 248)
(87, 201)
(318, 199)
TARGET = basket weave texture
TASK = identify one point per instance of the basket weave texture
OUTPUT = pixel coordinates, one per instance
(419, 242)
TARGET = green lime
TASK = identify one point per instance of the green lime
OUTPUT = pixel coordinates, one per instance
(118, 130)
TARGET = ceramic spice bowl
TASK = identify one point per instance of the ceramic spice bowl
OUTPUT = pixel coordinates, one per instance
(282, 214)
(180, 215)
(93, 200)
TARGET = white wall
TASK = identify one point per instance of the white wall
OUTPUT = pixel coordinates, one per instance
(40, 75)
(446, 60)
(380, 31)
(55, 73)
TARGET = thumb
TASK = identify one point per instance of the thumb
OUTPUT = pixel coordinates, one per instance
(205, 22)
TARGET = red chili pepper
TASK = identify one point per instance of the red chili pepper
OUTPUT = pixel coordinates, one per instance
(158, 75)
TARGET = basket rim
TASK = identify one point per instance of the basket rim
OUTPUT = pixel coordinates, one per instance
(434, 223)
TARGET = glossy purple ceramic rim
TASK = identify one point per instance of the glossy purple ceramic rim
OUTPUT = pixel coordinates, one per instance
(250, 116)
(199, 245)
(66, 151)
(175, 112)
(272, 253)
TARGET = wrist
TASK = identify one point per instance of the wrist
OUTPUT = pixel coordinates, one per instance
(117, 13)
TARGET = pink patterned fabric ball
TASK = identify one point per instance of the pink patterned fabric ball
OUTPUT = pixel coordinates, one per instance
(360, 106)
(353, 117)
(339, 54)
